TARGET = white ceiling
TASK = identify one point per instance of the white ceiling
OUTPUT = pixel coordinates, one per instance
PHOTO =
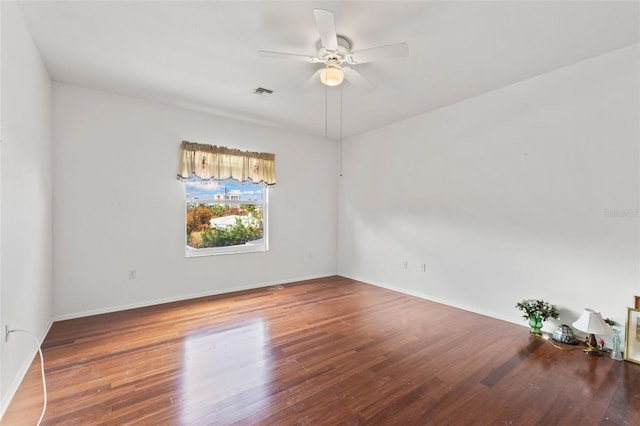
(203, 54)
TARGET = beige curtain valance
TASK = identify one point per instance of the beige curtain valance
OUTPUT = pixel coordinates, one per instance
(210, 162)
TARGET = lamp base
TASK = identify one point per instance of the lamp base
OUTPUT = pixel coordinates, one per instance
(592, 346)
(593, 351)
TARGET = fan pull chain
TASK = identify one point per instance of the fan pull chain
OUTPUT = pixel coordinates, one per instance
(340, 164)
(326, 112)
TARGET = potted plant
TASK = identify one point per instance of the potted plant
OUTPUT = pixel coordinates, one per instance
(536, 311)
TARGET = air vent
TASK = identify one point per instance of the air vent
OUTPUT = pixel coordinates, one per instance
(262, 91)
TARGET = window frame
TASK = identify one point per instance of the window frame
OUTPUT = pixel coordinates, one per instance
(191, 252)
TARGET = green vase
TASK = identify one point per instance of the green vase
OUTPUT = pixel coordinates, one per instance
(535, 323)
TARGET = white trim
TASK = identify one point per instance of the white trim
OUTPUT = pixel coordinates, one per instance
(17, 381)
(185, 297)
(248, 247)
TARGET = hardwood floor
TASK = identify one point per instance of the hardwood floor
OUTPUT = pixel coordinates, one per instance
(328, 351)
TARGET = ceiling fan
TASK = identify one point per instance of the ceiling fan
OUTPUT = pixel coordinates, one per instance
(336, 55)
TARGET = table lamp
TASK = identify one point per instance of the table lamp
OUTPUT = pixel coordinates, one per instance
(591, 322)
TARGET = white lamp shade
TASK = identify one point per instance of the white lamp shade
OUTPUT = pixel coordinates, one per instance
(591, 322)
(332, 75)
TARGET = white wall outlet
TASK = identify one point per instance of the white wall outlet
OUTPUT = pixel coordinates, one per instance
(132, 274)
(424, 267)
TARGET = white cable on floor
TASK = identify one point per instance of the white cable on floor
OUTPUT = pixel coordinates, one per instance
(44, 382)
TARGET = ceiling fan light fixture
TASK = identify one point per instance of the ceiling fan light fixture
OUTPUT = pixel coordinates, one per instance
(332, 75)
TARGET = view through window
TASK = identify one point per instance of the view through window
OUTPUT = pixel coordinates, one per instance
(225, 217)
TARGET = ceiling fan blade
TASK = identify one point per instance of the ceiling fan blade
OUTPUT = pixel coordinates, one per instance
(313, 80)
(291, 56)
(327, 29)
(397, 50)
(357, 79)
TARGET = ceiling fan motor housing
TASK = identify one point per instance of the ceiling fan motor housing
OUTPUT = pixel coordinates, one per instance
(340, 55)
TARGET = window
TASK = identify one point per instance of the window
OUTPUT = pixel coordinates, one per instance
(225, 211)
(225, 216)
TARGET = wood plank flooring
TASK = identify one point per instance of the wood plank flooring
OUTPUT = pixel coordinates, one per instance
(324, 352)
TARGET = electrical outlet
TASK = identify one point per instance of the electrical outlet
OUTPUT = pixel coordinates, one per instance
(424, 267)
(7, 327)
(132, 274)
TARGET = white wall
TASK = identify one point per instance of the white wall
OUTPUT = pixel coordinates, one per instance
(25, 190)
(530, 191)
(119, 207)
(1, 317)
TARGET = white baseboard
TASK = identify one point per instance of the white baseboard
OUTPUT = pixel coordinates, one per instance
(183, 297)
(17, 380)
(435, 299)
